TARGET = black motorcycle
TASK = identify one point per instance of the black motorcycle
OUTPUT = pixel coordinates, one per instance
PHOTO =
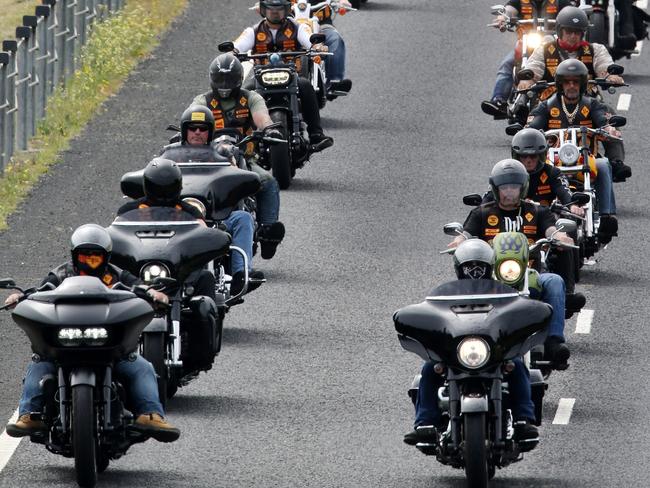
(85, 328)
(277, 82)
(473, 330)
(170, 245)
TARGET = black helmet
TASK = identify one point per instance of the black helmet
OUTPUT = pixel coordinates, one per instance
(572, 68)
(509, 172)
(90, 246)
(474, 259)
(226, 75)
(197, 115)
(162, 182)
(264, 4)
(528, 142)
(571, 18)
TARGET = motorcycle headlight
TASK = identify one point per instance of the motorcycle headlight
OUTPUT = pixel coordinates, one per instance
(473, 352)
(510, 270)
(71, 337)
(151, 271)
(533, 40)
(569, 154)
(274, 78)
(95, 336)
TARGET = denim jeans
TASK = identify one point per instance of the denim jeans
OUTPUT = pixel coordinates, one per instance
(268, 198)
(604, 187)
(334, 65)
(426, 405)
(553, 293)
(138, 377)
(241, 227)
(504, 82)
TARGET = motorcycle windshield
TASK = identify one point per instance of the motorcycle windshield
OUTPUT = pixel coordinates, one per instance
(167, 235)
(183, 153)
(510, 323)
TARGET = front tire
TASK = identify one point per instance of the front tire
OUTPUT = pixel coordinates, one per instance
(475, 452)
(84, 443)
(280, 154)
(153, 350)
(598, 29)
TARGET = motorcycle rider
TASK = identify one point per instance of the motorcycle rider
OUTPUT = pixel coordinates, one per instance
(512, 213)
(91, 247)
(523, 9)
(571, 27)
(570, 106)
(231, 106)
(473, 259)
(278, 32)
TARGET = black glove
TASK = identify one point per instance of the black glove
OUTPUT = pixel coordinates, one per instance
(274, 133)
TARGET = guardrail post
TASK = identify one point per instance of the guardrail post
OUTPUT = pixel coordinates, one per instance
(4, 104)
(50, 46)
(80, 23)
(60, 46)
(41, 66)
(31, 21)
(22, 86)
(70, 38)
(10, 46)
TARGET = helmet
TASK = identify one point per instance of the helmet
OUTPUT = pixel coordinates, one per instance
(90, 246)
(197, 115)
(264, 4)
(474, 259)
(162, 182)
(528, 142)
(508, 172)
(571, 18)
(574, 68)
(226, 75)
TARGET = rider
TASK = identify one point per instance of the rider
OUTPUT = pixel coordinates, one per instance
(509, 212)
(524, 10)
(278, 32)
(473, 259)
(571, 107)
(91, 247)
(230, 106)
(571, 27)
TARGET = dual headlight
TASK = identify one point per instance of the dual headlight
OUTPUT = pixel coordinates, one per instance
(509, 271)
(93, 336)
(151, 271)
(276, 78)
(473, 352)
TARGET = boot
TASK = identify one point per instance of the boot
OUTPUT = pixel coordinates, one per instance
(620, 171)
(607, 229)
(497, 108)
(270, 236)
(25, 426)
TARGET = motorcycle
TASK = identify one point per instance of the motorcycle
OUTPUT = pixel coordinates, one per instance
(85, 328)
(277, 82)
(163, 243)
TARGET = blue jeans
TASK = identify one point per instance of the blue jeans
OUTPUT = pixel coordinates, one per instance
(504, 82)
(553, 293)
(427, 411)
(138, 377)
(334, 65)
(241, 227)
(605, 187)
(268, 198)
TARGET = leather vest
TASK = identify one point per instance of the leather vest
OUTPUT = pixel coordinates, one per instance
(540, 189)
(286, 38)
(238, 117)
(324, 15)
(554, 56)
(557, 119)
(110, 278)
(548, 9)
(493, 222)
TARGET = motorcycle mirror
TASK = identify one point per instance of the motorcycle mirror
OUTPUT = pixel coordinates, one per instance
(173, 127)
(226, 47)
(615, 69)
(566, 225)
(453, 229)
(588, 9)
(497, 9)
(317, 38)
(617, 121)
(525, 74)
(512, 129)
(579, 198)
(7, 283)
(472, 200)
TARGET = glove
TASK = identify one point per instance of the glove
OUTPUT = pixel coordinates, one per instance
(274, 133)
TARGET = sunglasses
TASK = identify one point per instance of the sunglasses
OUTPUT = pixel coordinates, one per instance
(195, 127)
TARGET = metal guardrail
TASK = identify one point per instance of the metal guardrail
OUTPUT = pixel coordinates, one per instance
(44, 55)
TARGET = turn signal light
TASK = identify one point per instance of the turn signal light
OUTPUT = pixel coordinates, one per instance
(317, 59)
(439, 368)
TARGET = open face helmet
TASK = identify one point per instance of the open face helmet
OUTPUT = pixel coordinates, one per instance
(571, 18)
(571, 68)
(529, 142)
(91, 246)
(509, 172)
(197, 116)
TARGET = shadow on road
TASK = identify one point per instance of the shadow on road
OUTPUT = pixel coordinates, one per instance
(240, 336)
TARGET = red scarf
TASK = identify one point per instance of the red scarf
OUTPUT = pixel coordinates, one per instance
(567, 47)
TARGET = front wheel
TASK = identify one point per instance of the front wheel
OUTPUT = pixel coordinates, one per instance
(84, 444)
(355, 3)
(280, 154)
(153, 350)
(475, 452)
(598, 29)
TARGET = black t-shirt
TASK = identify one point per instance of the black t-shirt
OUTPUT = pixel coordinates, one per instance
(510, 220)
(180, 205)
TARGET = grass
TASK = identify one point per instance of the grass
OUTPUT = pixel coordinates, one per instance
(12, 15)
(115, 47)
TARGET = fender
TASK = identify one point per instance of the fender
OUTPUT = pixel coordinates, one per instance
(157, 324)
(473, 404)
(82, 376)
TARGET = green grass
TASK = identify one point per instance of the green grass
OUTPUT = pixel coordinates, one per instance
(114, 49)
(12, 15)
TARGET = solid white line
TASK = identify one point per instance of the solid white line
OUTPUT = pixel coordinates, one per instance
(583, 324)
(624, 102)
(564, 410)
(8, 445)
(642, 4)
(639, 47)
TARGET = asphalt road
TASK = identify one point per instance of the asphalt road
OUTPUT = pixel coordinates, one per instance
(310, 389)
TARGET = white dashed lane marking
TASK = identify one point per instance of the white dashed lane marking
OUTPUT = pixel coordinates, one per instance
(624, 102)
(8, 445)
(583, 323)
(564, 410)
